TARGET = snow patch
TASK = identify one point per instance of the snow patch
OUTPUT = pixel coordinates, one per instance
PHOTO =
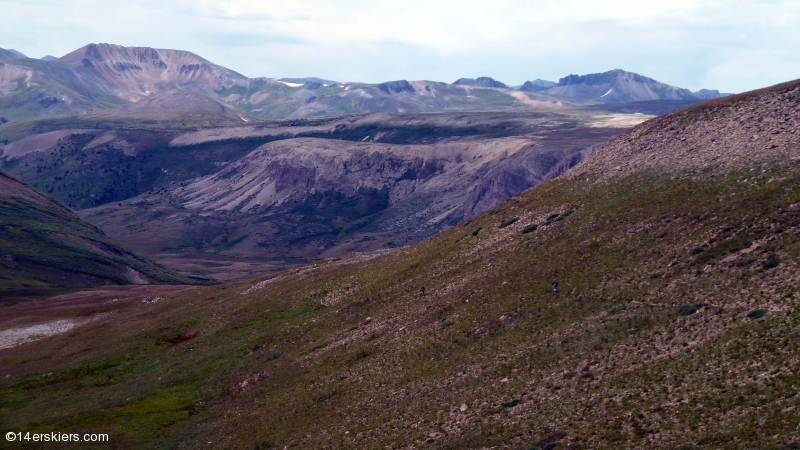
(609, 91)
(290, 84)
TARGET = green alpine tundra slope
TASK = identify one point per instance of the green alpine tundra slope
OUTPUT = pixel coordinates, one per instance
(45, 248)
(676, 323)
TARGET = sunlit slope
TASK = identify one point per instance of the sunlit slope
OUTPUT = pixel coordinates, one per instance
(676, 324)
(46, 248)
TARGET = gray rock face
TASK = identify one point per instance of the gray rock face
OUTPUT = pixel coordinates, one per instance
(537, 85)
(619, 86)
(612, 76)
(312, 85)
(396, 87)
(481, 82)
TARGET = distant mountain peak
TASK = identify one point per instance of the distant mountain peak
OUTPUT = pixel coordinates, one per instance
(480, 81)
(19, 54)
(396, 87)
(7, 54)
(611, 76)
(709, 94)
(310, 79)
(132, 73)
(117, 53)
(537, 85)
(620, 86)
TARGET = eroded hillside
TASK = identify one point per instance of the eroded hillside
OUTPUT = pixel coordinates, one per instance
(318, 190)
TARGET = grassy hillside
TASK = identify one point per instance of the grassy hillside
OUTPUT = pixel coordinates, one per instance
(676, 324)
(45, 249)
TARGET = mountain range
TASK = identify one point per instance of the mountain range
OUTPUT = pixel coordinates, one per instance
(174, 157)
(106, 79)
(178, 158)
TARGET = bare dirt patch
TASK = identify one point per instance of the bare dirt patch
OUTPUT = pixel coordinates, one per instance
(16, 336)
(36, 143)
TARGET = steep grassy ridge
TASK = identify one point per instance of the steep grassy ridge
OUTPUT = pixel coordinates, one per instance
(46, 248)
(676, 324)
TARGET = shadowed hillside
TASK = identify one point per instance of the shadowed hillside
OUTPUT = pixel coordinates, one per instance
(676, 324)
(46, 248)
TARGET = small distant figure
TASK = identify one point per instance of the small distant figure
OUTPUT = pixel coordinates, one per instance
(555, 286)
(422, 291)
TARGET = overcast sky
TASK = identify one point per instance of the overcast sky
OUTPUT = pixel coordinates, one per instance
(731, 45)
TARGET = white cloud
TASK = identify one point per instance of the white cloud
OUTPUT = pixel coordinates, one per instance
(732, 45)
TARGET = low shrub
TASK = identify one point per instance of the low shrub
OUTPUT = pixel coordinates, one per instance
(569, 375)
(697, 250)
(586, 375)
(476, 231)
(771, 262)
(511, 404)
(617, 309)
(446, 323)
(655, 275)
(529, 228)
(757, 313)
(547, 446)
(551, 217)
(507, 222)
(688, 310)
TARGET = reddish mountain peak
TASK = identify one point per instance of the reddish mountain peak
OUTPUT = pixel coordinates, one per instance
(133, 73)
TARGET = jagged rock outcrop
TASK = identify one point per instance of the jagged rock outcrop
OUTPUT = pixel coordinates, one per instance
(396, 87)
(619, 86)
(480, 82)
(537, 85)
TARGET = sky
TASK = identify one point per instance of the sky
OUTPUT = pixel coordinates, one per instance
(730, 45)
